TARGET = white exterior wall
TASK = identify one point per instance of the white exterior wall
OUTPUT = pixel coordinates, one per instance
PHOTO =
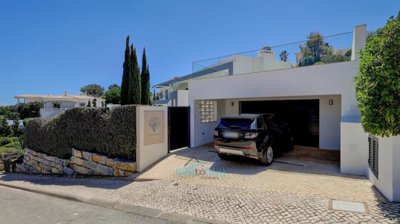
(354, 149)
(388, 181)
(354, 159)
(204, 131)
(182, 98)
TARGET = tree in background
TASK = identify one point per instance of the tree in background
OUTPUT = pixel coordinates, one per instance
(378, 81)
(16, 131)
(317, 51)
(284, 55)
(126, 74)
(113, 94)
(134, 93)
(94, 102)
(89, 104)
(9, 112)
(313, 49)
(93, 90)
(145, 81)
(29, 110)
(4, 128)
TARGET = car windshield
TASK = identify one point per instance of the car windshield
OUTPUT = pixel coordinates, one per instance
(242, 123)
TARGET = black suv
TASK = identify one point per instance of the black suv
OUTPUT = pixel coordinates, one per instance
(259, 136)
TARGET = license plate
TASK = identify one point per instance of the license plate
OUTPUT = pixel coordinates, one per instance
(230, 134)
(230, 151)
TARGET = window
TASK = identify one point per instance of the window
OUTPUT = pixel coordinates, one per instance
(373, 149)
(207, 111)
(236, 123)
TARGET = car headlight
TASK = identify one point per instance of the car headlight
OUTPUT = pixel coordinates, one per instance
(250, 135)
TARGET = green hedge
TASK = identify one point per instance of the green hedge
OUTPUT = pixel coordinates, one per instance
(108, 132)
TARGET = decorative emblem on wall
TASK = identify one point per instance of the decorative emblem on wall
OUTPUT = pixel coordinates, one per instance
(154, 123)
(154, 127)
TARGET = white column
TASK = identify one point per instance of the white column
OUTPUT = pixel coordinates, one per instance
(359, 41)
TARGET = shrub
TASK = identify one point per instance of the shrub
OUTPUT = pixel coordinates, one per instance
(7, 140)
(13, 147)
(100, 130)
(4, 128)
(29, 110)
(378, 81)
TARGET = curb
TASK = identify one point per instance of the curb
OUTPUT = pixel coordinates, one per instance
(138, 210)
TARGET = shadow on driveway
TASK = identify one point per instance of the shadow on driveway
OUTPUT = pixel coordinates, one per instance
(64, 181)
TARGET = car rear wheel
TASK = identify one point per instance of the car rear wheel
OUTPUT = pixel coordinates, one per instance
(268, 156)
(222, 156)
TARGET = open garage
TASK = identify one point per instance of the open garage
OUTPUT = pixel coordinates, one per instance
(301, 115)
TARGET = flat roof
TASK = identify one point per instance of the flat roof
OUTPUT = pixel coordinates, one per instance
(55, 97)
(205, 71)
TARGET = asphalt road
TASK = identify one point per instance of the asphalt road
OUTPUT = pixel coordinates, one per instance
(20, 207)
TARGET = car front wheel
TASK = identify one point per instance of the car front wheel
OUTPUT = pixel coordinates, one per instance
(268, 156)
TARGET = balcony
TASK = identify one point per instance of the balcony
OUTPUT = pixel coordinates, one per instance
(315, 50)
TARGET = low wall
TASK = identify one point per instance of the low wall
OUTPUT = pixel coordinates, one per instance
(35, 162)
(94, 164)
(81, 162)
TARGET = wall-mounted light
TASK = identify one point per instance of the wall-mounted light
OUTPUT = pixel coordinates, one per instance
(232, 103)
(331, 102)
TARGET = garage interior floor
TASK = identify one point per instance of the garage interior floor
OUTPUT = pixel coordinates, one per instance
(304, 154)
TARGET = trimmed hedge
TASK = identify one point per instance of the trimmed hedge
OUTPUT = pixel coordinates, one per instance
(104, 131)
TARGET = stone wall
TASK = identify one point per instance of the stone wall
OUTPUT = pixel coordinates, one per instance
(93, 164)
(81, 162)
(35, 162)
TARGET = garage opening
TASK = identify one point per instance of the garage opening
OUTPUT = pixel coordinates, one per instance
(301, 115)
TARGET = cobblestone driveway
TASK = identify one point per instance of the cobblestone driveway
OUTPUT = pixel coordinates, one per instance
(196, 182)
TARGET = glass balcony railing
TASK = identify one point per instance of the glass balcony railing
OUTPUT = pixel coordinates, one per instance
(315, 50)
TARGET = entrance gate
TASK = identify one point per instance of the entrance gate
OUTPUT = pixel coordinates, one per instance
(178, 127)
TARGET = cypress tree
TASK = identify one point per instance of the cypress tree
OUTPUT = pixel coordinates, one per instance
(134, 82)
(145, 80)
(125, 75)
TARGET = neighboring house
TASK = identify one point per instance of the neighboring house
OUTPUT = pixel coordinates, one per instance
(55, 104)
(174, 92)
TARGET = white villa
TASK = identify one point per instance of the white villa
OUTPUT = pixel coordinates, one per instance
(321, 96)
(55, 104)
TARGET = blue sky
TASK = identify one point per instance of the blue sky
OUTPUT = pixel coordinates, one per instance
(47, 47)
